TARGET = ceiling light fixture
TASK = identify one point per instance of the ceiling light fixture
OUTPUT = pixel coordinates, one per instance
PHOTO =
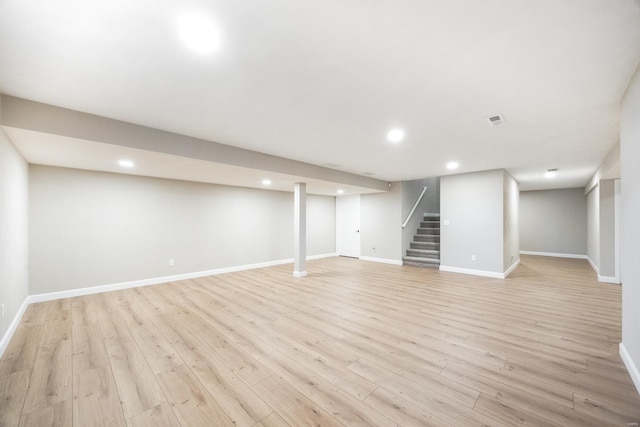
(395, 135)
(340, 191)
(551, 173)
(124, 163)
(452, 165)
(199, 33)
(266, 182)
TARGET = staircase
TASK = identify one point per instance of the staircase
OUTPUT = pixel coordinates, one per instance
(425, 248)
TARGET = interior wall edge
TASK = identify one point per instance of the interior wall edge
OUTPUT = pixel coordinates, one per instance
(634, 372)
(6, 338)
(554, 254)
(482, 273)
(381, 260)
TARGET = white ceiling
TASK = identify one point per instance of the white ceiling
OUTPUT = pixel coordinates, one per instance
(322, 82)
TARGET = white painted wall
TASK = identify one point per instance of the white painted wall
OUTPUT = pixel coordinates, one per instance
(473, 205)
(14, 197)
(607, 252)
(599, 203)
(630, 227)
(593, 227)
(554, 221)
(321, 223)
(94, 228)
(381, 225)
(511, 226)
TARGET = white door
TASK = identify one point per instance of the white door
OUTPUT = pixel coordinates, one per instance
(348, 226)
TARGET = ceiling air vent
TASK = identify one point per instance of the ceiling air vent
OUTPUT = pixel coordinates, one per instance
(496, 120)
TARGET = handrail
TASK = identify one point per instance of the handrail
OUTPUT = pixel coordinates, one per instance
(415, 206)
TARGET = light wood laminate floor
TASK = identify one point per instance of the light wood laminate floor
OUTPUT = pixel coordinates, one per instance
(354, 343)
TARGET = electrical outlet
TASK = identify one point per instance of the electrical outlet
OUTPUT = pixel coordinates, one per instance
(171, 262)
(473, 257)
(446, 222)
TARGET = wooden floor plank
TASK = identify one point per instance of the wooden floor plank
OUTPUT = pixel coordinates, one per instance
(190, 401)
(51, 377)
(293, 406)
(13, 390)
(158, 416)
(56, 415)
(353, 343)
(95, 399)
(272, 420)
(136, 384)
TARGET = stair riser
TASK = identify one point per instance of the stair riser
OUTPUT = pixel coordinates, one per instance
(435, 231)
(425, 245)
(430, 224)
(423, 255)
(419, 264)
(426, 238)
(431, 218)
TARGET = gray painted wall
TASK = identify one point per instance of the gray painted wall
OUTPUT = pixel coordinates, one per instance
(593, 226)
(630, 226)
(554, 221)
(511, 226)
(94, 228)
(473, 205)
(429, 204)
(14, 197)
(606, 206)
(600, 235)
(380, 224)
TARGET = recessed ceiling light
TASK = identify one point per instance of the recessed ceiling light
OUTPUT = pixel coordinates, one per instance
(551, 173)
(395, 135)
(124, 163)
(340, 191)
(452, 165)
(199, 33)
(266, 182)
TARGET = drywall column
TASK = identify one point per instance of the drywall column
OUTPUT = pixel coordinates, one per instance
(300, 230)
(630, 228)
(607, 265)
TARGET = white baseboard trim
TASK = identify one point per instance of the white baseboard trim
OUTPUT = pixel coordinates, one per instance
(329, 255)
(554, 254)
(381, 260)
(158, 280)
(608, 279)
(510, 269)
(4, 342)
(473, 272)
(631, 367)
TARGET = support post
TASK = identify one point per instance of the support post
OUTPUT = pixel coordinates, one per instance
(300, 230)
